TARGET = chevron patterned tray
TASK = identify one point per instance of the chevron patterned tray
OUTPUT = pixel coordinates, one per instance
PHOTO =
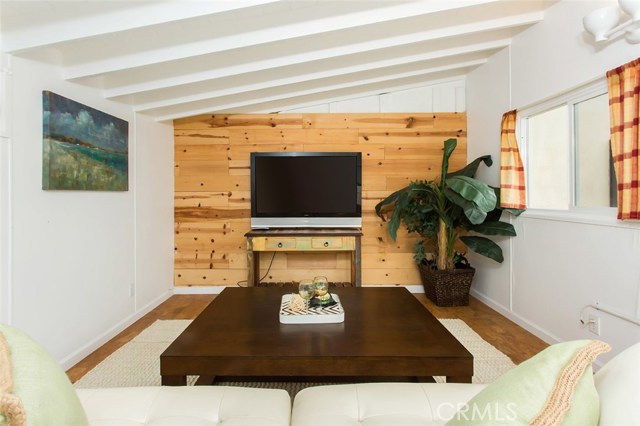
(332, 314)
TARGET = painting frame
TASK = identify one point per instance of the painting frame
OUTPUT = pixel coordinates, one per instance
(83, 149)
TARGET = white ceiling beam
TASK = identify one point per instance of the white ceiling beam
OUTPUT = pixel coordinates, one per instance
(270, 35)
(340, 86)
(480, 48)
(451, 77)
(328, 53)
(144, 14)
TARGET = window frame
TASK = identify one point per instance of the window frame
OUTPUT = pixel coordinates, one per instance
(574, 213)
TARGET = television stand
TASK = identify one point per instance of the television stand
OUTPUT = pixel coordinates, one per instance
(303, 240)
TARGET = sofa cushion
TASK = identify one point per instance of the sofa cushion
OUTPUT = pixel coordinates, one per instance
(618, 384)
(34, 387)
(377, 404)
(186, 406)
(555, 387)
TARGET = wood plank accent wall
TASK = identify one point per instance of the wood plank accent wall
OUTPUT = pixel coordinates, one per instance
(212, 188)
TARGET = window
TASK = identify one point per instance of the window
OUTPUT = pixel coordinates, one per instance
(567, 153)
(548, 159)
(595, 178)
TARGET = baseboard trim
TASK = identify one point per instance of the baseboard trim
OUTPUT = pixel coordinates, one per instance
(77, 356)
(415, 288)
(213, 289)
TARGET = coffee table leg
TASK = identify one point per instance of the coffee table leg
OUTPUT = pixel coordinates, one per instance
(174, 380)
(458, 379)
(205, 380)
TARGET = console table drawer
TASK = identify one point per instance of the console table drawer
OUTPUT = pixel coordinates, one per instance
(278, 243)
(303, 243)
(332, 243)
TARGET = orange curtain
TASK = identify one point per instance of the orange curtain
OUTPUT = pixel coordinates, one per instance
(513, 193)
(624, 106)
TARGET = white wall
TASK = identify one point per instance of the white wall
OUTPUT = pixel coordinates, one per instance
(153, 210)
(5, 78)
(555, 266)
(440, 96)
(75, 255)
(488, 95)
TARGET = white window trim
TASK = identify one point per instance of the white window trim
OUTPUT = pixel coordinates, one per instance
(604, 216)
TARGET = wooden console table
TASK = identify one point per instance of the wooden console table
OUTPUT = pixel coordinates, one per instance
(307, 240)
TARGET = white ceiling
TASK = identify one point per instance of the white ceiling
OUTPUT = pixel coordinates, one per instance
(172, 59)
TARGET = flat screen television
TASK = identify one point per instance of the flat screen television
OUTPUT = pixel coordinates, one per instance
(306, 189)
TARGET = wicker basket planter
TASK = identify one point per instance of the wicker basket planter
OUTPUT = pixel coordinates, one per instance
(447, 288)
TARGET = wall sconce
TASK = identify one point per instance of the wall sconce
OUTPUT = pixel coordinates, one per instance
(605, 22)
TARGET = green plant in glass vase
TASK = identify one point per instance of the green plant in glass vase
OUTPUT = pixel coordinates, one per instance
(448, 212)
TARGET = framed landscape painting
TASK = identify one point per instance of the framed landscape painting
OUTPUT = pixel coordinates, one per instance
(82, 148)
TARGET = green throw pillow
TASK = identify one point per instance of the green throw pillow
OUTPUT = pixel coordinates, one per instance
(553, 388)
(33, 387)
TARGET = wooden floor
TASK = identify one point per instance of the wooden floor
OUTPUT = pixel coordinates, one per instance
(506, 336)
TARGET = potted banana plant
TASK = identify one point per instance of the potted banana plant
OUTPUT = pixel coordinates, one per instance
(449, 213)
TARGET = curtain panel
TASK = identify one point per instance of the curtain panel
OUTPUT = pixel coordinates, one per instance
(624, 108)
(512, 180)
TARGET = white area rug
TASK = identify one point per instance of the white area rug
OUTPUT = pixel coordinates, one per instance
(137, 363)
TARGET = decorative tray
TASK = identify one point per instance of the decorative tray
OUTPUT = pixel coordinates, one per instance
(319, 315)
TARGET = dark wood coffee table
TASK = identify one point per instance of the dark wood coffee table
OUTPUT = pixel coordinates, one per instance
(387, 333)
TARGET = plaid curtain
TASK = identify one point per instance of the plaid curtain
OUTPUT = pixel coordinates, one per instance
(513, 193)
(624, 106)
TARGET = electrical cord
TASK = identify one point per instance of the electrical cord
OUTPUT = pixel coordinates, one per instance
(600, 308)
(273, 256)
(269, 268)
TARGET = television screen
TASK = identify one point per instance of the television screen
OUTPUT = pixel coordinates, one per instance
(306, 189)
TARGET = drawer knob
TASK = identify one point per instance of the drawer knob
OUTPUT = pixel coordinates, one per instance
(326, 243)
(280, 245)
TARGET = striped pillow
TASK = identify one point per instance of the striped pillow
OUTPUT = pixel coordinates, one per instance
(553, 388)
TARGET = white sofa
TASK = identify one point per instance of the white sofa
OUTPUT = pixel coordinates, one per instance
(186, 406)
(34, 391)
(430, 404)
(374, 404)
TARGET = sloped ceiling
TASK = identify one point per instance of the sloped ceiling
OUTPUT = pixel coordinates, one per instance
(173, 59)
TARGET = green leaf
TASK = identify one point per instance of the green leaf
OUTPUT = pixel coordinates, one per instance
(495, 214)
(495, 228)
(388, 202)
(474, 190)
(470, 169)
(401, 203)
(394, 224)
(484, 247)
(449, 146)
(471, 211)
